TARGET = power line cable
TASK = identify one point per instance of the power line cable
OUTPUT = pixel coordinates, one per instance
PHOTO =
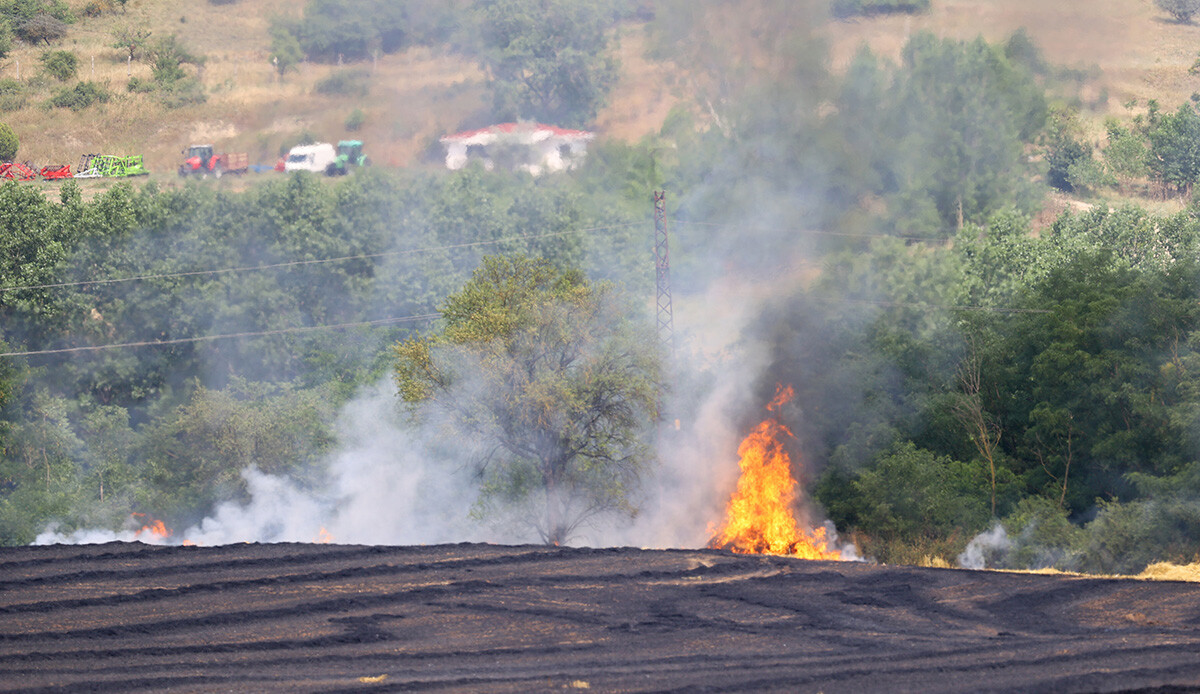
(316, 261)
(432, 316)
(206, 338)
(808, 232)
(429, 316)
(944, 307)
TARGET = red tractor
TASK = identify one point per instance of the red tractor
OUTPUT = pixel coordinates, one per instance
(199, 160)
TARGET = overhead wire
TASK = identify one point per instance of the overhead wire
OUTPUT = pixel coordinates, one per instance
(313, 261)
(205, 338)
(432, 316)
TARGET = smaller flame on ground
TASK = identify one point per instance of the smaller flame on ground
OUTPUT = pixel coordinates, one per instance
(760, 518)
(323, 537)
(153, 530)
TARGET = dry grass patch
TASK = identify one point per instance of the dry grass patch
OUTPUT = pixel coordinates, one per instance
(1166, 571)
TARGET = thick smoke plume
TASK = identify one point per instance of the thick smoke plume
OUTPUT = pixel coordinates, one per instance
(384, 486)
(390, 482)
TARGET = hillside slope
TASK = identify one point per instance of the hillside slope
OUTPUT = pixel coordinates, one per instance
(416, 96)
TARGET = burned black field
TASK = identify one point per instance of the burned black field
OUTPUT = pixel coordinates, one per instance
(485, 618)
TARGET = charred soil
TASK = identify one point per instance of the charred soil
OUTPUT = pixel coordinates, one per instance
(328, 618)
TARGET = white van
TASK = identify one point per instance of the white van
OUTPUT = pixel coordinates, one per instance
(315, 158)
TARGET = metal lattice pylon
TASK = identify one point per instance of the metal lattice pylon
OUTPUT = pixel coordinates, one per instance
(662, 262)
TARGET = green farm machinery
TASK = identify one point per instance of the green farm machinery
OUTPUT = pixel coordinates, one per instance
(110, 166)
(349, 153)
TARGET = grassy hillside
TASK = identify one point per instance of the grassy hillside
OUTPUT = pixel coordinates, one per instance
(1128, 48)
(1134, 49)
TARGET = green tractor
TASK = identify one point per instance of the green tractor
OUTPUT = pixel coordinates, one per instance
(349, 153)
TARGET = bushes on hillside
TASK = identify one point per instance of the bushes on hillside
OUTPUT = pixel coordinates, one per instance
(855, 8)
(24, 10)
(171, 83)
(83, 95)
(352, 82)
(12, 95)
(61, 65)
(1174, 157)
(352, 30)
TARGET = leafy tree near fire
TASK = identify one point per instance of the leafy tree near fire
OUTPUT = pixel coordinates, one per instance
(547, 60)
(546, 373)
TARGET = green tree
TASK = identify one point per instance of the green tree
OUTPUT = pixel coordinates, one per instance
(41, 478)
(963, 113)
(1126, 154)
(1066, 151)
(168, 56)
(544, 372)
(9, 144)
(1080, 383)
(7, 36)
(352, 30)
(914, 497)
(286, 53)
(548, 60)
(196, 454)
(1175, 148)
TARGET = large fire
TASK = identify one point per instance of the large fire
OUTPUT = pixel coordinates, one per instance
(760, 517)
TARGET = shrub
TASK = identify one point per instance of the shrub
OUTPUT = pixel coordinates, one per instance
(12, 95)
(353, 30)
(916, 499)
(355, 120)
(81, 96)
(1181, 10)
(180, 93)
(1062, 156)
(168, 56)
(866, 8)
(6, 38)
(138, 85)
(9, 144)
(95, 8)
(61, 65)
(23, 10)
(344, 83)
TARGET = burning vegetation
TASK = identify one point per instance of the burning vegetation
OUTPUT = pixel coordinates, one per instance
(760, 517)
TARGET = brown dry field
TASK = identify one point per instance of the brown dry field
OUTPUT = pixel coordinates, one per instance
(1140, 53)
(486, 618)
(421, 94)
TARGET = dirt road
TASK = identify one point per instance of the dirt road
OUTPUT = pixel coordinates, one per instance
(482, 618)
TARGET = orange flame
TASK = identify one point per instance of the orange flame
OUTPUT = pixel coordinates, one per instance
(156, 529)
(759, 518)
(323, 537)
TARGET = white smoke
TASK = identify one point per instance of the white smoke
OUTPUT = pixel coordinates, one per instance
(389, 483)
(985, 545)
(386, 485)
